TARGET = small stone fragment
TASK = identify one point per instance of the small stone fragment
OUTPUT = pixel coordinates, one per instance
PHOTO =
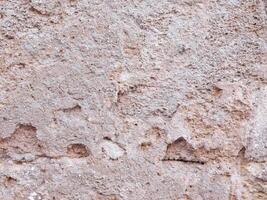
(112, 150)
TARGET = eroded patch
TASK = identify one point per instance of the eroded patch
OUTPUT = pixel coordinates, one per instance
(106, 197)
(153, 137)
(181, 150)
(9, 181)
(78, 150)
(23, 144)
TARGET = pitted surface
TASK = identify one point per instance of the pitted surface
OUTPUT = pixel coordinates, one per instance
(133, 99)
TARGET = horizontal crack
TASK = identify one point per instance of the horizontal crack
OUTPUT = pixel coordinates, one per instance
(44, 156)
(183, 160)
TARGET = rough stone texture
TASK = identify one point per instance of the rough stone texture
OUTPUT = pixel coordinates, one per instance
(133, 99)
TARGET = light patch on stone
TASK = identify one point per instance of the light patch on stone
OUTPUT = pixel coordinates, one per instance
(125, 76)
(111, 149)
(34, 196)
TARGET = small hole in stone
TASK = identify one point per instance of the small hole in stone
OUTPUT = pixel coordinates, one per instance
(145, 145)
(107, 138)
(78, 150)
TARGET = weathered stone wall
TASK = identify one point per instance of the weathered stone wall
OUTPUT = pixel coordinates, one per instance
(133, 99)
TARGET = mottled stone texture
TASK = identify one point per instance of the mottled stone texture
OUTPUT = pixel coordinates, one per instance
(133, 100)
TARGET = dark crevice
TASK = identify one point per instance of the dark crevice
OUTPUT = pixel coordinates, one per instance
(76, 108)
(38, 12)
(184, 161)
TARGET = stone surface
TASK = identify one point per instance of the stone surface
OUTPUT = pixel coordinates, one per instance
(133, 99)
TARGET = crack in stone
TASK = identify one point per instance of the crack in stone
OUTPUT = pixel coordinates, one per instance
(184, 161)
